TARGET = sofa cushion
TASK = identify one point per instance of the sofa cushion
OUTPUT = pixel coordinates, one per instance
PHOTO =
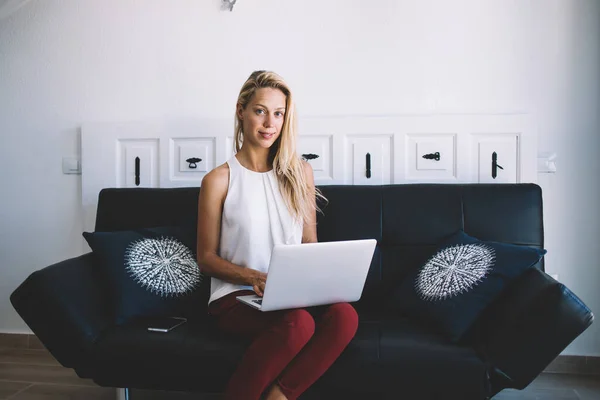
(460, 280)
(197, 356)
(355, 374)
(190, 357)
(149, 271)
(408, 349)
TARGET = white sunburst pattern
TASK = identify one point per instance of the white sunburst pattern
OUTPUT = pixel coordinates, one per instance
(164, 266)
(454, 270)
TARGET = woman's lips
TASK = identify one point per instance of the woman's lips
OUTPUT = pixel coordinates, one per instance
(266, 135)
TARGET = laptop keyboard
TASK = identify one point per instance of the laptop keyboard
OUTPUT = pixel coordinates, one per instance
(258, 301)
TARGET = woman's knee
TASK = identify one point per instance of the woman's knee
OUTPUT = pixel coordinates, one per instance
(300, 323)
(345, 316)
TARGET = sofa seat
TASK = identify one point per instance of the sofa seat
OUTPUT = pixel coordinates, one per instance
(195, 356)
(192, 356)
(406, 349)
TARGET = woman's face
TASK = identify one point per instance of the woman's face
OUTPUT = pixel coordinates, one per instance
(262, 119)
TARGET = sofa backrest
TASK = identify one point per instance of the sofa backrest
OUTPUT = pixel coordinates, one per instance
(407, 220)
(124, 209)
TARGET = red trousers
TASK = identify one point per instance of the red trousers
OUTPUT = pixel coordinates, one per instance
(292, 348)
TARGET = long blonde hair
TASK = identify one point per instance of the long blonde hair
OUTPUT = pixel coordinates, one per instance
(287, 165)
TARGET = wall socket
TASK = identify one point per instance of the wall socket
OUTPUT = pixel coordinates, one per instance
(71, 165)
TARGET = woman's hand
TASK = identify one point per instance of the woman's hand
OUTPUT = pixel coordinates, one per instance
(259, 280)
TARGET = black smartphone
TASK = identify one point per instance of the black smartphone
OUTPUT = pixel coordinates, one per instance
(164, 324)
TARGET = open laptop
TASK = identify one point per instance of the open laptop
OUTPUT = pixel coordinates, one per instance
(312, 274)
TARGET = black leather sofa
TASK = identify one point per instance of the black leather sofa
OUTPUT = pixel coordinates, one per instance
(68, 307)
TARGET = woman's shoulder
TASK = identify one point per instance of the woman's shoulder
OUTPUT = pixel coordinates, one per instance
(306, 165)
(308, 170)
(217, 179)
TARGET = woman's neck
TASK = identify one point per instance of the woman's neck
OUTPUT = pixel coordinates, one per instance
(257, 161)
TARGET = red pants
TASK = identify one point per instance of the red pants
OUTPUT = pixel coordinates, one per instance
(292, 348)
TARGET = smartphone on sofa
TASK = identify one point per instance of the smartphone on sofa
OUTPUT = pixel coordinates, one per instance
(163, 324)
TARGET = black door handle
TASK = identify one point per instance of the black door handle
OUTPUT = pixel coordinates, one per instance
(432, 156)
(192, 162)
(309, 156)
(137, 171)
(495, 165)
(368, 165)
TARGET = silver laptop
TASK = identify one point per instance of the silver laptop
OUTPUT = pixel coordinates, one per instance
(312, 274)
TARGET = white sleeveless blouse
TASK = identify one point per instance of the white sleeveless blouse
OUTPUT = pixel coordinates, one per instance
(255, 219)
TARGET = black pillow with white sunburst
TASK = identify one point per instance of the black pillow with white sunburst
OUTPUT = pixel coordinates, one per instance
(151, 272)
(460, 280)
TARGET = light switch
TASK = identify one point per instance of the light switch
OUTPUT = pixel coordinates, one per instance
(547, 162)
(71, 165)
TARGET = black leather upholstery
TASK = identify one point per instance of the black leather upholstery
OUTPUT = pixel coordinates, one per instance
(67, 307)
(536, 319)
(517, 336)
(124, 209)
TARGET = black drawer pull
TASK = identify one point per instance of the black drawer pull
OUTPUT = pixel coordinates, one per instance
(432, 156)
(495, 165)
(193, 162)
(368, 165)
(309, 156)
(137, 171)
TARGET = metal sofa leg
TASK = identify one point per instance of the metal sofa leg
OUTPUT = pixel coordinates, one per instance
(123, 394)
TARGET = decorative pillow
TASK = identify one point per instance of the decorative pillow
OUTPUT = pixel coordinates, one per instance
(151, 272)
(460, 280)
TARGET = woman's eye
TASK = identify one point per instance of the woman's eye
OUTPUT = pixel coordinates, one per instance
(259, 111)
(279, 113)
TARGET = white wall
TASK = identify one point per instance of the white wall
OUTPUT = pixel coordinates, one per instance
(65, 62)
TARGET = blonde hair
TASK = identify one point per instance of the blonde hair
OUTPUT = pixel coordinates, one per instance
(287, 165)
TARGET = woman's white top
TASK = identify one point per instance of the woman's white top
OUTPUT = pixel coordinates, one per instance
(255, 218)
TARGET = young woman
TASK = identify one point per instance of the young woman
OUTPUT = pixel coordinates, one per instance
(265, 195)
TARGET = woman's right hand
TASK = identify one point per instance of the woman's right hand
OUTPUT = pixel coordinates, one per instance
(259, 280)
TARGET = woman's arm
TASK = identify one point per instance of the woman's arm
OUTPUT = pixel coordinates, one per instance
(210, 210)
(309, 231)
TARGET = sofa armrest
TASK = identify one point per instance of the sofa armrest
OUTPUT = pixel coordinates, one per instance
(533, 321)
(66, 306)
